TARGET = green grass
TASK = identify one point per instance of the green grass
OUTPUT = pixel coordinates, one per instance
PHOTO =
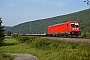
(6, 56)
(46, 49)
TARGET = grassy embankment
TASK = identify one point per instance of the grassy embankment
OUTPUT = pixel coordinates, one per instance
(46, 49)
(4, 53)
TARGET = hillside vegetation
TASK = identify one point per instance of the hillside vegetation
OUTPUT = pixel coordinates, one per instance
(40, 26)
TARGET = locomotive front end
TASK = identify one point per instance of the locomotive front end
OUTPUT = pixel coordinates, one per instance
(75, 29)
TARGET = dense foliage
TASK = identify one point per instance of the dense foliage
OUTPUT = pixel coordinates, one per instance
(47, 49)
(1, 33)
(40, 26)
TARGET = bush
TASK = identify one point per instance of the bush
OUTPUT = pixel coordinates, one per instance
(20, 39)
(42, 44)
(23, 39)
(31, 39)
(86, 34)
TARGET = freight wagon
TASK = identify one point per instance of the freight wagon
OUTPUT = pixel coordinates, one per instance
(71, 28)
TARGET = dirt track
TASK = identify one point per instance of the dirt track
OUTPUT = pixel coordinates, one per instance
(20, 56)
(25, 57)
(83, 40)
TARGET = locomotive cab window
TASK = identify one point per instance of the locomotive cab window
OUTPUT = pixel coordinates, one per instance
(74, 25)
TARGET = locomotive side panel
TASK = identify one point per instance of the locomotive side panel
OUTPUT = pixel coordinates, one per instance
(59, 28)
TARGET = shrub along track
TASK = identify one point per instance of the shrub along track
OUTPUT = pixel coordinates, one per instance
(82, 40)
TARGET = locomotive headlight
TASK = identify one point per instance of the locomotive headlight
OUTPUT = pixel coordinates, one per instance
(77, 28)
(72, 28)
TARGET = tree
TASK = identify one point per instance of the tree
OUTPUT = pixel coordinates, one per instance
(1, 33)
(9, 33)
(87, 1)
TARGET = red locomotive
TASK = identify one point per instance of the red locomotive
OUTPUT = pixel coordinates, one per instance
(68, 28)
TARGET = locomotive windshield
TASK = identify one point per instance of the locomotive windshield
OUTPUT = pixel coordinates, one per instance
(74, 25)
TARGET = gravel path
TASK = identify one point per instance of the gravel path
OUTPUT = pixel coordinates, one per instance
(83, 40)
(25, 57)
(21, 56)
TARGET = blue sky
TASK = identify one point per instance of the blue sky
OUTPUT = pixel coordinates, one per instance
(14, 12)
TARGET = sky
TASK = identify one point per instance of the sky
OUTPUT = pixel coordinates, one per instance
(14, 12)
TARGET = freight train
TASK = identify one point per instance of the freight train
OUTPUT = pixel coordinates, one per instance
(69, 28)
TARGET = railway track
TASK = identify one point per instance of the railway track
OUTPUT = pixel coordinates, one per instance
(63, 38)
(81, 40)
